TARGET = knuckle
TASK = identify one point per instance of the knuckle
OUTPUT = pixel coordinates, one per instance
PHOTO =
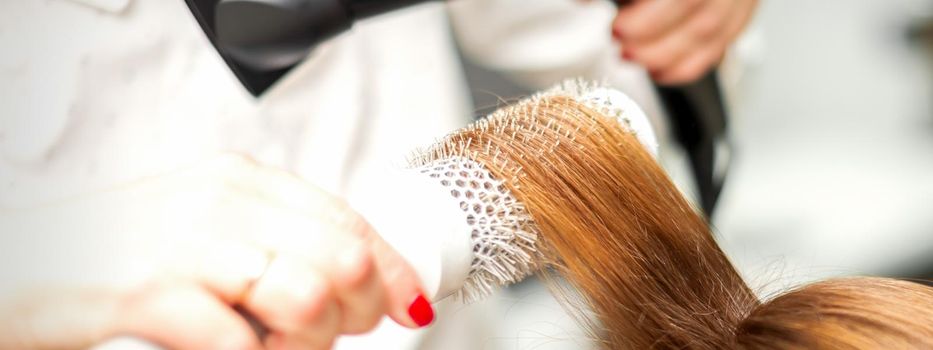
(312, 306)
(706, 29)
(357, 274)
(662, 56)
(685, 74)
(709, 59)
(707, 26)
(362, 323)
(656, 64)
(634, 27)
(345, 218)
(689, 75)
(634, 30)
(690, 72)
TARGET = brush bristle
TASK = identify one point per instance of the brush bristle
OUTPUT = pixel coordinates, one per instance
(503, 233)
(503, 246)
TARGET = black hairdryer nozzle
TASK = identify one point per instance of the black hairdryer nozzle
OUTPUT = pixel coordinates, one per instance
(261, 40)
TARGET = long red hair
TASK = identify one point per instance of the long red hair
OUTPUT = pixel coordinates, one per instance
(614, 225)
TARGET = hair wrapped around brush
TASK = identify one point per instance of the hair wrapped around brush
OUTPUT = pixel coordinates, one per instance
(612, 223)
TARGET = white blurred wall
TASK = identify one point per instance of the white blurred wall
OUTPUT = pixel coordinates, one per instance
(834, 174)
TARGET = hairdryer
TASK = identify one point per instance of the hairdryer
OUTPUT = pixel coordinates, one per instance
(261, 40)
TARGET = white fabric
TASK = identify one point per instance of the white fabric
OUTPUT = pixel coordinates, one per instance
(91, 98)
(96, 93)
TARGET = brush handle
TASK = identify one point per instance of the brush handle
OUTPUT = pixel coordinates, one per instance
(419, 219)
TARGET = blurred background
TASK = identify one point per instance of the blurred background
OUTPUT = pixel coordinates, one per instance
(834, 171)
(832, 168)
(832, 124)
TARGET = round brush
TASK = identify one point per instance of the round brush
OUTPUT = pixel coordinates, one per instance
(458, 225)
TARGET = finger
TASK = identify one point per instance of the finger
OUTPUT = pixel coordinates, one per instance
(743, 9)
(229, 269)
(287, 214)
(243, 274)
(701, 60)
(359, 289)
(691, 68)
(404, 290)
(649, 20)
(295, 342)
(407, 304)
(286, 190)
(316, 206)
(185, 317)
(295, 302)
(274, 186)
(661, 54)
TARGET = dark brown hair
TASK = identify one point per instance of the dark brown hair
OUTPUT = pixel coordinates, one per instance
(614, 225)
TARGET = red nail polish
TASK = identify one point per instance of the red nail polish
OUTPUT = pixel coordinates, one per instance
(627, 55)
(421, 311)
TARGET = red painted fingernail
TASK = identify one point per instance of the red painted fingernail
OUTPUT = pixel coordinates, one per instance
(627, 55)
(421, 311)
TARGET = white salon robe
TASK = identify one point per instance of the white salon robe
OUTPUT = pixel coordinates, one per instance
(97, 93)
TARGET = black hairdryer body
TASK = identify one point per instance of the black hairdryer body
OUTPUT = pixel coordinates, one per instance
(261, 40)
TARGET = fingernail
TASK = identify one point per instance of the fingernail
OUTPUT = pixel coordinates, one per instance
(627, 55)
(421, 311)
(616, 33)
